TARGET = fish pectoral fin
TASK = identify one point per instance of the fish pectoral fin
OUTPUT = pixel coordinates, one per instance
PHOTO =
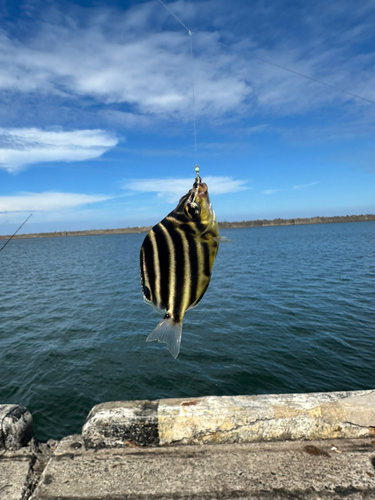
(169, 332)
(222, 239)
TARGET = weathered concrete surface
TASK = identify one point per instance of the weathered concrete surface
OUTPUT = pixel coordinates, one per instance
(232, 419)
(16, 427)
(116, 423)
(16, 476)
(279, 470)
(20, 470)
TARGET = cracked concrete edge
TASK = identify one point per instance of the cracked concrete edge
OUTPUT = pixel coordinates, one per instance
(231, 419)
(316, 469)
(20, 470)
(16, 473)
(53, 451)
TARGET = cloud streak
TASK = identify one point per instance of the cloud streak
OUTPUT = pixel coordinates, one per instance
(119, 57)
(46, 202)
(173, 189)
(25, 146)
(270, 191)
(151, 73)
(304, 186)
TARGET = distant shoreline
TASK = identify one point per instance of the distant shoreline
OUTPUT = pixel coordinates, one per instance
(222, 225)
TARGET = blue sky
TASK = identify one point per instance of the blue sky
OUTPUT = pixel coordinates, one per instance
(96, 110)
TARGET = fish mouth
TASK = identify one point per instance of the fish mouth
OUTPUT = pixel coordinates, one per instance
(203, 193)
(202, 188)
(200, 193)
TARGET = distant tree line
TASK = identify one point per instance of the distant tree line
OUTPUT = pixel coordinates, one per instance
(222, 225)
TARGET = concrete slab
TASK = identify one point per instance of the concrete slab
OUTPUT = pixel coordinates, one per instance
(329, 469)
(16, 475)
(232, 419)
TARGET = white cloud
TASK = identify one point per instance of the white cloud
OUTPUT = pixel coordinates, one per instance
(256, 129)
(270, 191)
(152, 71)
(47, 202)
(25, 146)
(173, 189)
(129, 57)
(303, 186)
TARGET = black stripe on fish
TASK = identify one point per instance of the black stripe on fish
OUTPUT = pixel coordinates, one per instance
(176, 218)
(164, 263)
(179, 220)
(200, 228)
(188, 228)
(194, 268)
(147, 265)
(200, 296)
(179, 269)
(156, 267)
(187, 274)
(193, 227)
(206, 259)
(144, 277)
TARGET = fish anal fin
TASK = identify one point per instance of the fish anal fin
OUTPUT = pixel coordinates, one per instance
(169, 332)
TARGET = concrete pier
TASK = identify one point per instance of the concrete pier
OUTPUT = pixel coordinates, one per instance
(283, 470)
(301, 446)
(232, 419)
(15, 474)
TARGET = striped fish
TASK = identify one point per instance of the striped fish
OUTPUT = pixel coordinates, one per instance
(176, 262)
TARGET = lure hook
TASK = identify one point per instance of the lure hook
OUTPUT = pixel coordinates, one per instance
(197, 179)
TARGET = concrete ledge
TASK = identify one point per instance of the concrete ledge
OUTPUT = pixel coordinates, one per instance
(231, 419)
(16, 474)
(16, 427)
(329, 470)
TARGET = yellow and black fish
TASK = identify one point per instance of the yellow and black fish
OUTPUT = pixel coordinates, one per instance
(176, 261)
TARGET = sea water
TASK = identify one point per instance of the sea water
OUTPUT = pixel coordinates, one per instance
(289, 309)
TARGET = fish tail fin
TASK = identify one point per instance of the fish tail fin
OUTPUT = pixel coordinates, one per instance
(169, 332)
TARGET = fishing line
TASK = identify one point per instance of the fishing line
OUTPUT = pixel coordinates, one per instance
(292, 71)
(192, 85)
(351, 94)
(174, 15)
(13, 235)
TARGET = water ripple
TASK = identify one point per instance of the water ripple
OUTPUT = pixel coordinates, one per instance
(289, 309)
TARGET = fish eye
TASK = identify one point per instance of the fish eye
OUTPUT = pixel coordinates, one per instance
(192, 210)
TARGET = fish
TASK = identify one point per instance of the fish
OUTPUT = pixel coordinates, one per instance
(176, 261)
